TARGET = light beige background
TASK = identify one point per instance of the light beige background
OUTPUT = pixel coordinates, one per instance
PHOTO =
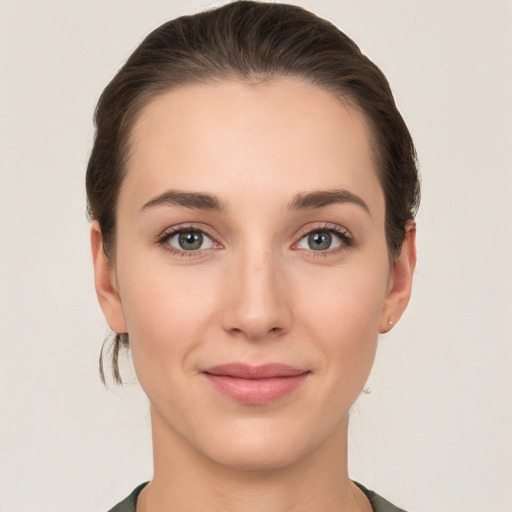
(435, 434)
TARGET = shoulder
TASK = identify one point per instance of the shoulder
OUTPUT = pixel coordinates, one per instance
(378, 503)
(129, 504)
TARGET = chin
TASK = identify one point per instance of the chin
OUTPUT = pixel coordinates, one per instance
(262, 446)
(256, 456)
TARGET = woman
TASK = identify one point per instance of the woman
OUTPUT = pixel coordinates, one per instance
(252, 188)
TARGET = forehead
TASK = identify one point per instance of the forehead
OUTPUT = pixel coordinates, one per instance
(229, 138)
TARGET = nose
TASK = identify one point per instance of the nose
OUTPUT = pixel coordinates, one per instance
(256, 301)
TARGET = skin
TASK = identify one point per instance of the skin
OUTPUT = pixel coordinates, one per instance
(256, 293)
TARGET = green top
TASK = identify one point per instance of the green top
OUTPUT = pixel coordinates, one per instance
(378, 504)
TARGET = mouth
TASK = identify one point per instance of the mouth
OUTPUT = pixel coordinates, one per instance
(255, 385)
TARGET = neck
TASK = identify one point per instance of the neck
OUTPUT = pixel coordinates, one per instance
(186, 480)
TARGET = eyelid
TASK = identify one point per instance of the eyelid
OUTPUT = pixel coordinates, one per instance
(347, 240)
(343, 233)
(163, 238)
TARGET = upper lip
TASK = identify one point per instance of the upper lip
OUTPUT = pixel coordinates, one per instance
(246, 371)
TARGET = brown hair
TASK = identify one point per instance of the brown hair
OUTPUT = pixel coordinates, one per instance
(249, 41)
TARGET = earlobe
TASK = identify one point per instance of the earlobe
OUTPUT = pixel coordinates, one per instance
(105, 283)
(400, 281)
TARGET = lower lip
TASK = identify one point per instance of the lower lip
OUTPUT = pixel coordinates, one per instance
(256, 391)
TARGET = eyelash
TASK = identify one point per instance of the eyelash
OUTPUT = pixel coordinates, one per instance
(163, 240)
(345, 237)
(343, 234)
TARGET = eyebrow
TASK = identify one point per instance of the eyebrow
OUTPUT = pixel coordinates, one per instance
(205, 201)
(194, 200)
(323, 198)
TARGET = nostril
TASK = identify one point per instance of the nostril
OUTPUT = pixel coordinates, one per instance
(275, 331)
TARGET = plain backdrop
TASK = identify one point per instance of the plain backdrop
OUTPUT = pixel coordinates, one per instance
(435, 434)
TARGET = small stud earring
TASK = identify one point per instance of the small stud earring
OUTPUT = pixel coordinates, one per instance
(390, 322)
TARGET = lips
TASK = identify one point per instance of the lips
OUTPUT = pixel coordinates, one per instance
(255, 385)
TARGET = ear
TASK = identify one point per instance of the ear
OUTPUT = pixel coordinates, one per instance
(105, 283)
(400, 281)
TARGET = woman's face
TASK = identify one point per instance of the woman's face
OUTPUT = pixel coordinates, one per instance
(251, 268)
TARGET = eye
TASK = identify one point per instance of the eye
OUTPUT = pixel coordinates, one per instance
(323, 240)
(189, 240)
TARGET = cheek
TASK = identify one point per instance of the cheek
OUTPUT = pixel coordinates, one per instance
(166, 308)
(341, 311)
(347, 298)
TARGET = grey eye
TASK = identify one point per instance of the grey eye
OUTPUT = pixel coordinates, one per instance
(190, 240)
(320, 241)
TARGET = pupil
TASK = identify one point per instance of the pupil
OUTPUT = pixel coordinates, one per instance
(191, 241)
(320, 241)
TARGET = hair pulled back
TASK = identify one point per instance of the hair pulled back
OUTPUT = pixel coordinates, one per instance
(248, 41)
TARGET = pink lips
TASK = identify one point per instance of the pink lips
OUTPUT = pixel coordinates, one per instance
(255, 385)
